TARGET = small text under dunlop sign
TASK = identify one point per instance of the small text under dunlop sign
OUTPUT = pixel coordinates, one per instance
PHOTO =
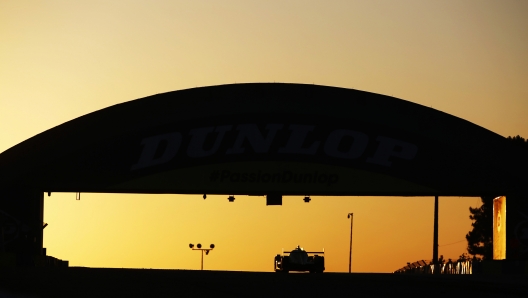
(284, 177)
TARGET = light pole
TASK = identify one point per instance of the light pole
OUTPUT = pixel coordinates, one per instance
(351, 216)
(436, 268)
(199, 247)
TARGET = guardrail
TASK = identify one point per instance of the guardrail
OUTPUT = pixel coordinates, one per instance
(444, 267)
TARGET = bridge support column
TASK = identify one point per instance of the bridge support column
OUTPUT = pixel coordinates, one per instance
(21, 221)
(510, 232)
(436, 267)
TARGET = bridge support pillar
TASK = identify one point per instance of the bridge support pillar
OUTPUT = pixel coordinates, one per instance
(436, 267)
(510, 228)
(21, 224)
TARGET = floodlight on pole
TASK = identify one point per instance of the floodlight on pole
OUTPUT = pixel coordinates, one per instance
(199, 247)
(351, 216)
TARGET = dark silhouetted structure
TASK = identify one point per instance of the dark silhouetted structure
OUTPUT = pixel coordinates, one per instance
(258, 139)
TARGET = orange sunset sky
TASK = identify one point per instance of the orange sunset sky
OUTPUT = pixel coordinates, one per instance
(62, 59)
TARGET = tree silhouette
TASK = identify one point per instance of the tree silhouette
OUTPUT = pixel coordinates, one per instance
(519, 141)
(480, 239)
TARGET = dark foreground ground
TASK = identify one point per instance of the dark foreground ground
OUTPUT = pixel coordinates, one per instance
(103, 282)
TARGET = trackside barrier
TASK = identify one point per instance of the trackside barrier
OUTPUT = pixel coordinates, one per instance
(10, 260)
(449, 267)
(50, 261)
(471, 266)
(504, 267)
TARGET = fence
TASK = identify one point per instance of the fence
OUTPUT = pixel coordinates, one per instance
(449, 267)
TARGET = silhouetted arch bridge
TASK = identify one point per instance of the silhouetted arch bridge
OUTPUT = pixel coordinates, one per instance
(257, 139)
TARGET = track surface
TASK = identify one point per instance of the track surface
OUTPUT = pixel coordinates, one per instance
(106, 282)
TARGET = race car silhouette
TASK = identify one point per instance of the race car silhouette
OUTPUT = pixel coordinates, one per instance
(300, 260)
